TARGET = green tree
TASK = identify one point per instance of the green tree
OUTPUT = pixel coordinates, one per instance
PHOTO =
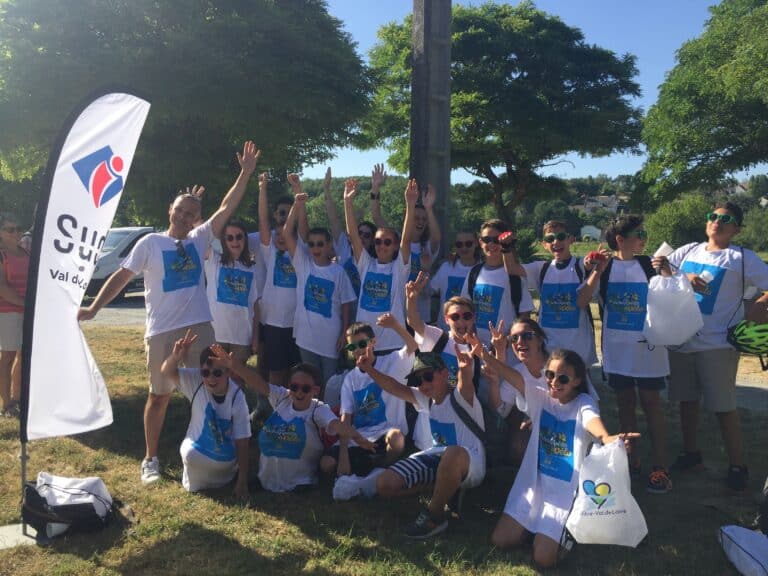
(711, 117)
(554, 210)
(526, 89)
(678, 222)
(752, 233)
(216, 71)
(757, 187)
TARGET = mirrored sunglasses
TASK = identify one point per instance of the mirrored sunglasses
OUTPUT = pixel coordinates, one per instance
(561, 378)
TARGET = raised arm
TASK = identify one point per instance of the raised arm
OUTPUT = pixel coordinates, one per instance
(509, 374)
(330, 207)
(385, 382)
(511, 261)
(298, 208)
(411, 196)
(170, 367)
(301, 215)
(265, 233)
(412, 291)
(466, 384)
(251, 378)
(435, 235)
(389, 321)
(378, 177)
(597, 266)
(350, 191)
(247, 160)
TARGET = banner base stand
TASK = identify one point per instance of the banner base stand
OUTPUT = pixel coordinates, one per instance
(13, 535)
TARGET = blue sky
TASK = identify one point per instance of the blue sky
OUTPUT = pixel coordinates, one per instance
(652, 30)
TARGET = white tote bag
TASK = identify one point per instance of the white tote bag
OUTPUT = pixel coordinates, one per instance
(604, 511)
(672, 314)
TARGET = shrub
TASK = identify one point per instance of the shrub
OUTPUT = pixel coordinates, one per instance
(678, 222)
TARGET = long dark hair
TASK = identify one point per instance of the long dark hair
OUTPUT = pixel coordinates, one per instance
(574, 360)
(534, 327)
(226, 256)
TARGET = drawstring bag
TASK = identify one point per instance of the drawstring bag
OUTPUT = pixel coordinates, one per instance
(672, 314)
(604, 511)
(746, 549)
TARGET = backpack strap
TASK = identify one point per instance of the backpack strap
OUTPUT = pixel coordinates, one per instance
(645, 262)
(192, 400)
(516, 292)
(472, 279)
(543, 273)
(468, 421)
(441, 343)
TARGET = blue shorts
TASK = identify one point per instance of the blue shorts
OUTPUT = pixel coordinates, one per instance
(418, 469)
(620, 382)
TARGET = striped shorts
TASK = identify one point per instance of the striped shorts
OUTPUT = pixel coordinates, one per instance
(418, 469)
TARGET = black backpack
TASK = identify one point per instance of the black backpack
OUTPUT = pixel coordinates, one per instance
(515, 286)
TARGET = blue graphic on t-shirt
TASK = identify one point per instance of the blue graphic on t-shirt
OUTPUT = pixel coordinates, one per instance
(487, 299)
(369, 407)
(215, 439)
(377, 292)
(707, 298)
(284, 275)
(415, 266)
(558, 305)
(443, 433)
(453, 367)
(556, 446)
(454, 286)
(283, 439)
(234, 286)
(181, 271)
(625, 305)
(318, 295)
(353, 273)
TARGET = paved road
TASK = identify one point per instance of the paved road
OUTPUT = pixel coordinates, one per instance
(128, 312)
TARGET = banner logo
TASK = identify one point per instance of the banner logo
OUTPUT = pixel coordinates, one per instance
(100, 174)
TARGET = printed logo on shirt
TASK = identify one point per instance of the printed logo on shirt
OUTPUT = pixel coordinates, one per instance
(181, 271)
(556, 447)
(354, 275)
(281, 439)
(369, 407)
(443, 433)
(487, 299)
(415, 266)
(284, 275)
(318, 295)
(625, 305)
(706, 299)
(377, 292)
(558, 306)
(215, 439)
(234, 286)
(453, 368)
(454, 286)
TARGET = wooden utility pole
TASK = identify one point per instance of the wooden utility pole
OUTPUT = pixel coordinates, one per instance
(430, 160)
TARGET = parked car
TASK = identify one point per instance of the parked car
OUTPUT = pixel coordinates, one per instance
(118, 243)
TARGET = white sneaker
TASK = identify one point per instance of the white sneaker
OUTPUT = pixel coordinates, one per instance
(347, 487)
(150, 470)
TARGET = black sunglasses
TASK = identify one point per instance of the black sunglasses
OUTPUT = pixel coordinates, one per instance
(217, 372)
(561, 378)
(465, 244)
(490, 239)
(319, 244)
(281, 212)
(456, 316)
(416, 380)
(360, 344)
(721, 218)
(364, 234)
(385, 241)
(306, 388)
(549, 238)
(232, 238)
(524, 335)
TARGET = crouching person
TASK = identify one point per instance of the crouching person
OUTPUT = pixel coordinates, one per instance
(456, 459)
(215, 448)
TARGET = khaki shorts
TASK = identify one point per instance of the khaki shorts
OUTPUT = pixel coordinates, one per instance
(159, 347)
(710, 374)
(11, 328)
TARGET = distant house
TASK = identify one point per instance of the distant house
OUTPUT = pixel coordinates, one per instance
(590, 232)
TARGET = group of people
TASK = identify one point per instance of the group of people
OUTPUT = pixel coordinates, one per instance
(355, 380)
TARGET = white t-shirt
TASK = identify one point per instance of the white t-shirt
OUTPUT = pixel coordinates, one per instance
(567, 326)
(493, 301)
(214, 426)
(232, 292)
(448, 282)
(424, 301)
(347, 260)
(623, 319)
(254, 242)
(546, 483)
(321, 290)
(722, 306)
(429, 339)
(278, 300)
(290, 442)
(373, 410)
(448, 429)
(382, 290)
(511, 397)
(174, 284)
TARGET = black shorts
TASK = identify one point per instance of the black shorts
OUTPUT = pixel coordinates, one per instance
(280, 351)
(621, 382)
(361, 461)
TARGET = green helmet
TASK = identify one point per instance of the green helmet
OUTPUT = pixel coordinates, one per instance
(749, 337)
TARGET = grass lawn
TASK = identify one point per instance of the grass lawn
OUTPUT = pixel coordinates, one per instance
(173, 532)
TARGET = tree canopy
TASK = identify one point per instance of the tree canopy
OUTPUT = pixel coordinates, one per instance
(711, 117)
(217, 72)
(526, 89)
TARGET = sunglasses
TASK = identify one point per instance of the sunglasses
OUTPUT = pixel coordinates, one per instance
(721, 218)
(319, 244)
(11, 229)
(416, 380)
(522, 335)
(217, 372)
(561, 378)
(549, 238)
(466, 244)
(364, 234)
(306, 388)
(490, 239)
(639, 234)
(180, 250)
(359, 345)
(232, 238)
(281, 212)
(456, 316)
(385, 241)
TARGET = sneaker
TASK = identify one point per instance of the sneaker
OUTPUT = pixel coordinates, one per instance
(455, 503)
(737, 478)
(658, 481)
(12, 411)
(346, 488)
(425, 526)
(150, 470)
(689, 461)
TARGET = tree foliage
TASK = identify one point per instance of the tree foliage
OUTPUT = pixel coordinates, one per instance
(678, 222)
(217, 72)
(711, 117)
(526, 89)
